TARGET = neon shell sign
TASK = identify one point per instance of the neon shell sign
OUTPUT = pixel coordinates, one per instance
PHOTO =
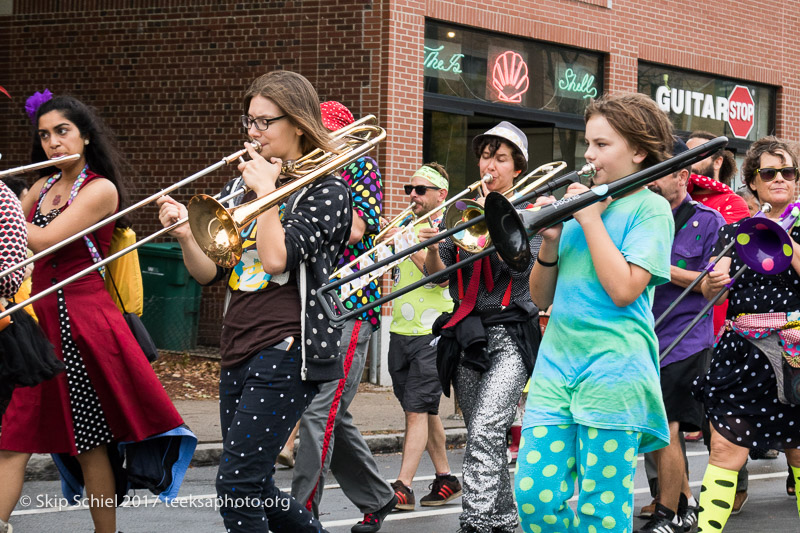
(510, 77)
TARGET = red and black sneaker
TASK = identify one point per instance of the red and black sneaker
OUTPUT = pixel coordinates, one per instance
(405, 496)
(373, 521)
(443, 489)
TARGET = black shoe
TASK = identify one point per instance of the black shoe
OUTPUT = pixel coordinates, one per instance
(372, 521)
(443, 489)
(661, 522)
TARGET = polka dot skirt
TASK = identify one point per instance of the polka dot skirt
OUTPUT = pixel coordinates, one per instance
(739, 391)
(88, 420)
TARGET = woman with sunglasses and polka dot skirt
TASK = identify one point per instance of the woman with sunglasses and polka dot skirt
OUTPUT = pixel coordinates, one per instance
(746, 405)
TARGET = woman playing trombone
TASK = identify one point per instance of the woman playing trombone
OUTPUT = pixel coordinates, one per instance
(740, 391)
(276, 345)
(488, 376)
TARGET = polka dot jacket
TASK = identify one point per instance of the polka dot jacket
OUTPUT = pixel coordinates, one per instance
(13, 240)
(316, 223)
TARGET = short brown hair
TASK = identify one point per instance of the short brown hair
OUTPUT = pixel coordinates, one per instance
(639, 121)
(728, 169)
(298, 99)
(766, 145)
(438, 167)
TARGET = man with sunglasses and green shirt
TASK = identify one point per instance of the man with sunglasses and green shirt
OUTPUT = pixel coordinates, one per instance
(412, 359)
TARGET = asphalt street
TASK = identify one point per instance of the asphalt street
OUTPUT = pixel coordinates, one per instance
(768, 508)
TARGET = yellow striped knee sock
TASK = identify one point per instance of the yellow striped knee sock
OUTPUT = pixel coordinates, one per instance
(716, 498)
(796, 474)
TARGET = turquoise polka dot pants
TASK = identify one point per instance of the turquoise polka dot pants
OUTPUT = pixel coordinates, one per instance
(552, 458)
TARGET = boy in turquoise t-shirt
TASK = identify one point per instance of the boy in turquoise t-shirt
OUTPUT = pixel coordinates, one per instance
(595, 397)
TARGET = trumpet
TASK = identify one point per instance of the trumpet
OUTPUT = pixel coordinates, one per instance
(510, 234)
(217, 230)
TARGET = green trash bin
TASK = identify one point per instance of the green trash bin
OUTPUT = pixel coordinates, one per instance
(171, 297)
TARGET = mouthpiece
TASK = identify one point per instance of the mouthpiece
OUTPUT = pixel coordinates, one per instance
(487, 178)
(766, 207)
(587, 171)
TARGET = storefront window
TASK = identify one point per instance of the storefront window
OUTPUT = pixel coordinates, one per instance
(448, 141)
(736, 109)
(496, 68)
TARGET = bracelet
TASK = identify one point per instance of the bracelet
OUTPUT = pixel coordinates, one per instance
(546, 263)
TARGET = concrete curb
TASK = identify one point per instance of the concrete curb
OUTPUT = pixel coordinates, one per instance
(42, 468)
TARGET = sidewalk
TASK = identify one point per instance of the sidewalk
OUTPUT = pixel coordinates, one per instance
(376, 412)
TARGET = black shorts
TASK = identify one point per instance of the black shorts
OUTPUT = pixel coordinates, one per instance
(412, 365)
(676, 387)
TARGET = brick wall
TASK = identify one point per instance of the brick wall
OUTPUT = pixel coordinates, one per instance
(169, 79)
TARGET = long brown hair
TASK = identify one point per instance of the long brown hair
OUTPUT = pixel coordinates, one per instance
(298, 99)
(639, 121)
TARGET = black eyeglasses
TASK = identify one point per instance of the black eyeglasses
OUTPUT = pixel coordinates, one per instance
(262, 124)
(419, 189)
(769, 174)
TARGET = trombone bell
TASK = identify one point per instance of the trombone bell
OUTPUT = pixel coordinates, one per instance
(215, 230)
(475, 237)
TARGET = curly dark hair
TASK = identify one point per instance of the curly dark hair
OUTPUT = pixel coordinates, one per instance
(766, 145)
(102, 154)
(639, 121)
(493, 144)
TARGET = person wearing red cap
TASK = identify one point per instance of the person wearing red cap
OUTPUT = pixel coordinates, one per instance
(327, 419)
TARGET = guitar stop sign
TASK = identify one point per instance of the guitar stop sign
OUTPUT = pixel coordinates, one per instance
(741, 112)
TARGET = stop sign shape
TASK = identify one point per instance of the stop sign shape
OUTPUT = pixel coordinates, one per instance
(741, 112)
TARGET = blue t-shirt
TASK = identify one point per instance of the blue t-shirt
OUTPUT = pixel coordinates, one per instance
(598, 363)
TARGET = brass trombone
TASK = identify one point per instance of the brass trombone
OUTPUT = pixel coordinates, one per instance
(466, 231)
(217, 230)
(512, 233)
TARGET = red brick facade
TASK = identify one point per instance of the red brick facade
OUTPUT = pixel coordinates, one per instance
(169, 79)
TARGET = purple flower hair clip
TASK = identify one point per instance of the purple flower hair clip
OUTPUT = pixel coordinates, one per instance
(34, 101)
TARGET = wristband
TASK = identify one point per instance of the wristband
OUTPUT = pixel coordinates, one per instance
(546, 263)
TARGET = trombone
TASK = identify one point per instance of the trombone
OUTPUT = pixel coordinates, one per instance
(762, 244)
(221, 163)
(217, 230)
(385, 249)
(40, 164)
(512, 234)
(382, 265)
(403, 239)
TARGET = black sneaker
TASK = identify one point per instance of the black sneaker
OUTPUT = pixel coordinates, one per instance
(404, 495)
(659, 524)
(372, 521)
(662, 522)
(443, 489)
(687, 513)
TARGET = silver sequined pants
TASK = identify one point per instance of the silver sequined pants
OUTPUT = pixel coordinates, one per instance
(489, 401)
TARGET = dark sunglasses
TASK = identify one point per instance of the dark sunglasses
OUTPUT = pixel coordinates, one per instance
(419, 189)
(261, 124)
(769, 174)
